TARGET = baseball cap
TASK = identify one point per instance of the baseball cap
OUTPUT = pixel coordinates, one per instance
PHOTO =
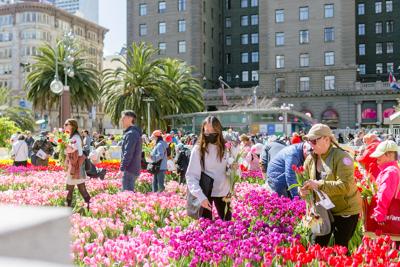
(385, 146)
(317, 131)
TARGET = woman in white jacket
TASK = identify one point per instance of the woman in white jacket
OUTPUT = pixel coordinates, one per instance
(20, 152)
(209, 155)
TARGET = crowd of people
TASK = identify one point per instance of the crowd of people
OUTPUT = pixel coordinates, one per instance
(328, 163)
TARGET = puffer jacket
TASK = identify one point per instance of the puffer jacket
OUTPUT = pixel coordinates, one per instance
(280, 174)
(339, 183)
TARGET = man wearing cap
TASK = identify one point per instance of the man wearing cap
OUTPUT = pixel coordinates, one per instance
(39, 146)
(159, 157)
(331, 170)
(131, 150)
(388, 180)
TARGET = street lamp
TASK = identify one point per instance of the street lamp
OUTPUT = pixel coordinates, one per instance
(255, 96)
(285, 108)
(56, 85)
(148, 100)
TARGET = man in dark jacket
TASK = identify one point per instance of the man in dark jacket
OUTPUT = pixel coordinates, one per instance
(182, 162)
(131, 154)
(280, 174)
(269, 151)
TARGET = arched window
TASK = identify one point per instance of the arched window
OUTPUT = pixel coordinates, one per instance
(330, 117)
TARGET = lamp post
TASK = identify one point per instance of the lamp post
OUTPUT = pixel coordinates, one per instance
(148, 100)
(285, 108)
(56, 85)
(255, 96)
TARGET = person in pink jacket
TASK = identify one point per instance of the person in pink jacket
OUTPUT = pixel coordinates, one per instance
(253, 157)
(388, 179)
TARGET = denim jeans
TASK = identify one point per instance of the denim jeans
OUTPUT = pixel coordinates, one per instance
(158, 181)
(128, 181)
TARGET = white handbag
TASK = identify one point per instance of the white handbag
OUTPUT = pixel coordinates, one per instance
(41, 154)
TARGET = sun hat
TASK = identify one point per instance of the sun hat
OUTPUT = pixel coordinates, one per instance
(385, 146)
(317, 131)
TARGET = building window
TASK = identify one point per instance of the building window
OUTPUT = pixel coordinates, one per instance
(389, 6)
(254, 57)
(228, 77)
(142, 29)
(162, 48)
(361, 29)
(389, 47)
(244, 58)
(378, 48)
(162, 7)
(279, 38)
(329, 58)
(143, 10)
(254, 38)
(254, 19)
(303, 13)
(162, 27)
(244, 39)
(378, 7)
(361, 49)
(304, 60)
(304, 37)
(181, 5)
(228, 40)
(304, 84)
(379, 68)
(181, 25)
(228, 22)
(378, 27)
(254, 75)
(280, 62)
(279, 15)
(329, 11)
(228, 4)
(254, 3)
(280, 85)
(330, 82)
(244, 3)
(329, 34)
(244, 21)
(389, 26)
(181, 47)
(245, 76)
(361, 9)
(361, 69)
(389, 67)
(228, 58)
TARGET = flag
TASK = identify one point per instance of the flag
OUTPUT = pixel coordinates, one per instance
(224, 100)
(393, 83)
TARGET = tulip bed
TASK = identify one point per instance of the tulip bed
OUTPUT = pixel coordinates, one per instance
(152, 229)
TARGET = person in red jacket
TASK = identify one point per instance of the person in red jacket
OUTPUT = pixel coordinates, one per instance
(369, 163)
(296, 139)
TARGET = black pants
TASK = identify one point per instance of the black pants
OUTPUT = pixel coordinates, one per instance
(82, 189)
(21, 163)
(220, 205)
(342, 230)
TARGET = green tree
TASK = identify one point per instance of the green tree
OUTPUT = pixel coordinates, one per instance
(84, 85)
(168, 81)
(7, 128)
(22, 117)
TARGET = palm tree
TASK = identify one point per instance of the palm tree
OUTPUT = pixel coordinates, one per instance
(23, 117)
(84, 85)
(168, 82)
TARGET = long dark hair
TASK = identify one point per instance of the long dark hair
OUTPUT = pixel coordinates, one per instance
(216, 124)
(74, 125)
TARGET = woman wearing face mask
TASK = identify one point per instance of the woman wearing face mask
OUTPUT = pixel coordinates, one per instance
(209, 155)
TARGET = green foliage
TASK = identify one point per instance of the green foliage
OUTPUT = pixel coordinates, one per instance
(84, 85)
(7, 128)
(168, 81)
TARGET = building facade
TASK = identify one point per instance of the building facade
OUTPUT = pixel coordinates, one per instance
(377, 32)
(89, 9)
(25, 27)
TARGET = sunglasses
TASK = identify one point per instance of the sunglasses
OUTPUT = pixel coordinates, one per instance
(314, 142)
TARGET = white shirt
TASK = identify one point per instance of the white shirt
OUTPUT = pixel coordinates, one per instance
(20, 150)
(214, 167)
(77, 144)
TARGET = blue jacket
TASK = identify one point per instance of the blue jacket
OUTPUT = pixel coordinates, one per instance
(160, 152)
(131, 151)
(269, 151)
(280, 173)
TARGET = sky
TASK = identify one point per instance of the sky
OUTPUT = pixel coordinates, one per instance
(112, 15)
